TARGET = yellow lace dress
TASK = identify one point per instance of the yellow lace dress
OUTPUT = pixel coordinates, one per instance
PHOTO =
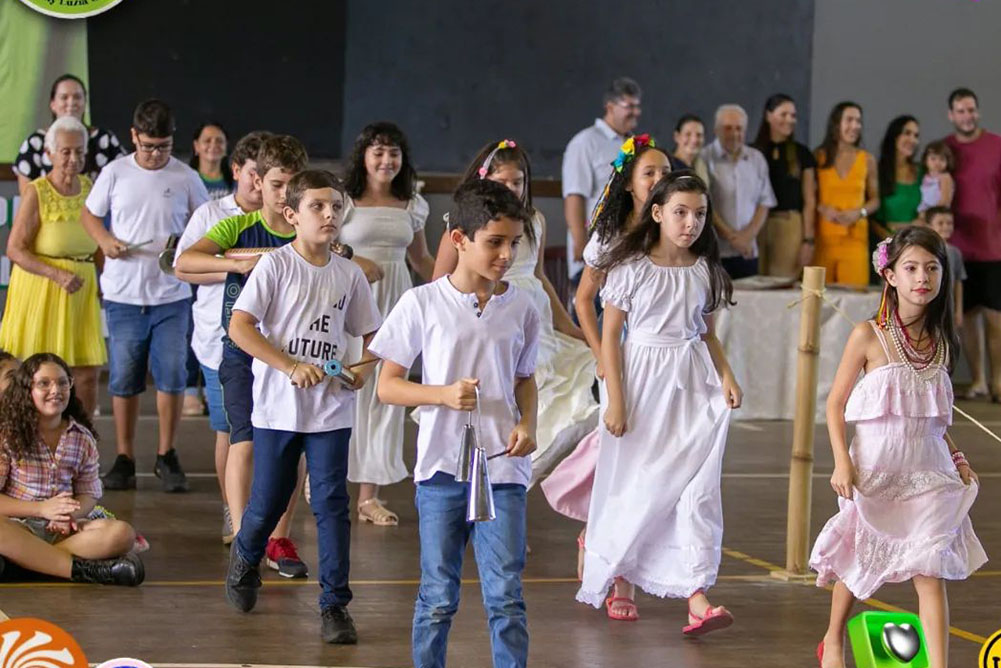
(40, 316)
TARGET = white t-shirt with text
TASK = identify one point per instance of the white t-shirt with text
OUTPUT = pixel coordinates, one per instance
(455, 341)
(145, 205)
(307, 312)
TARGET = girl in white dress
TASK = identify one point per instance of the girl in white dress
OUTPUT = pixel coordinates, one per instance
(384, 224)
(565, 369)
(655, 517)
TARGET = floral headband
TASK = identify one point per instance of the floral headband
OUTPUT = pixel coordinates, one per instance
(485, 167)
(627, 153)
(881, 256)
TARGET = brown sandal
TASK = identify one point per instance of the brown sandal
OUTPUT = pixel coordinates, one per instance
(374, 512)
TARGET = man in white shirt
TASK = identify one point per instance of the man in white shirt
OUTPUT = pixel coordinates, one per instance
(150, 196)
(587, 164)
(741, 191)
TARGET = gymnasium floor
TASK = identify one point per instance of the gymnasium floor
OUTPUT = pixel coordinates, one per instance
(180, 615)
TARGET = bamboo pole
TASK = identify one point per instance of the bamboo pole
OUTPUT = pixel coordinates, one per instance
(801, 462)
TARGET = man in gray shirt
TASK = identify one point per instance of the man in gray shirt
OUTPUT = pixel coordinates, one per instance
(587, 164)
(741, 191)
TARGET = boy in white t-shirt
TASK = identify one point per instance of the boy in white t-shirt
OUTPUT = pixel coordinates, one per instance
(295, 313)
(474, 332)
(206, 342)
(150, 196)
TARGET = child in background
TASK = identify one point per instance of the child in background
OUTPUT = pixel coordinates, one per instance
(478, 339)
(656, 517)
(939, 218)
(50, 506)
(564, 371)
(277, 161)
(904, 489)
(937, 185)
(295, 313)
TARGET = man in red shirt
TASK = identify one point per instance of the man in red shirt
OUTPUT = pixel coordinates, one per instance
(977, 211)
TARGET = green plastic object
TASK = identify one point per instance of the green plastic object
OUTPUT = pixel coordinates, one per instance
(887, 640)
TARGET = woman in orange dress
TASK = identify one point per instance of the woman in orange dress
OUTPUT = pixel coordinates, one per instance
(847, 193)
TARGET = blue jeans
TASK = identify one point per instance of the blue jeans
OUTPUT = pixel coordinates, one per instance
(141, 334)
(276, 469)
(499, 547)
(213, 397)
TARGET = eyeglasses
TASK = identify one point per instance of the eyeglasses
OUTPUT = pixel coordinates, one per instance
(45, 384)
(629, 106)
(156, 148)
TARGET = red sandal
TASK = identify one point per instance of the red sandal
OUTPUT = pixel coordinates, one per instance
(714, 619)
(820, 653)
(624, 612)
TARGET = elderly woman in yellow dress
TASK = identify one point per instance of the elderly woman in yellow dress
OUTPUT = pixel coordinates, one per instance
(52, 303)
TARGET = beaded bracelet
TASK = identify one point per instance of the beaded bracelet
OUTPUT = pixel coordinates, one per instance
(959, 459)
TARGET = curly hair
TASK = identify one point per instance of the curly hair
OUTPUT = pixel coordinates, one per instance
(618, 203)
(386, 134)
(18, 415)
(642, 238)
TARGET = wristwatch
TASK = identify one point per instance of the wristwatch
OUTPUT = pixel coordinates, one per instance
(863, 213)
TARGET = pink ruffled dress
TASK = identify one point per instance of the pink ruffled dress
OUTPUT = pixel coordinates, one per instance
(910, 511)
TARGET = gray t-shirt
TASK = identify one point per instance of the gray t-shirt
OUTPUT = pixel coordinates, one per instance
(956, 265)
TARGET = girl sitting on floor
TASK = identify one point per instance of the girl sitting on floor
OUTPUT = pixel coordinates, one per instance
(49, 482)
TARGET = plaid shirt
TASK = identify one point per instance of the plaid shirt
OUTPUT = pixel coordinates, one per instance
(42, 474)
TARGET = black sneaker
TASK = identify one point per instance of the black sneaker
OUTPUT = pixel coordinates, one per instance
(124, 571)
(122, 474)
(168, 470)
(242, 582)
(337, 627)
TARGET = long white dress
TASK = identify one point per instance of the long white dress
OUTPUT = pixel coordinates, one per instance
(564, 371)
(656, 517)
(381, 234)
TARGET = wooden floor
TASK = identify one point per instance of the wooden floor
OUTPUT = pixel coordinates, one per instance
(180, 615)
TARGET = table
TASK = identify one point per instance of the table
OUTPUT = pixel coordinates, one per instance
(761, 336)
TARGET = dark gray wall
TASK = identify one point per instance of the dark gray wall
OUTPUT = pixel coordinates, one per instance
(456, 74)
(249, 65)
(903, 57)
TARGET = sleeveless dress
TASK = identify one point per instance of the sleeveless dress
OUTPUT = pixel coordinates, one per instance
(843, 251)
(910, 511)
(381, 234)
(564, 370)
(40, 316)
(656, 516)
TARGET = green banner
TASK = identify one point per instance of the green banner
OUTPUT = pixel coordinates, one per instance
(35, 49)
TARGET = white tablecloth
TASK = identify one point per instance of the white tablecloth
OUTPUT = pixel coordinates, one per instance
(761, 336)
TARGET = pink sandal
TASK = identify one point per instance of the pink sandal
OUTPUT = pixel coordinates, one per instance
(626, 610)
(714, 619)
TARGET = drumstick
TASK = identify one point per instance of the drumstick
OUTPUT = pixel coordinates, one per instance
(363, 363)
(138, 244)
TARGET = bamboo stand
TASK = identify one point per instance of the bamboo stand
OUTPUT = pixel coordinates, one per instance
(801, 463)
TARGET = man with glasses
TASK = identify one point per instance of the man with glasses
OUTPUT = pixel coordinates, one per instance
(587, 164)
(150, 196)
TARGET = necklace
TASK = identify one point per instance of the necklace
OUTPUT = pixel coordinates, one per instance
(923, 367)
(923, 355)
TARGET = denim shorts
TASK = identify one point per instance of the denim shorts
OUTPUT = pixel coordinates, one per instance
(213, 397)
(147, 336)
(236, 376)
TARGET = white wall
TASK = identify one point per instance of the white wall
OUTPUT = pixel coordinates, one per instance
(904, 57)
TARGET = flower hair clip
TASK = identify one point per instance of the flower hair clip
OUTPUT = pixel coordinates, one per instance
(628, 150)
(880, 256)
(485, 167)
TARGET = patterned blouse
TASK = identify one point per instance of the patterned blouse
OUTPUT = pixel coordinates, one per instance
(42, 474)
(32, 161)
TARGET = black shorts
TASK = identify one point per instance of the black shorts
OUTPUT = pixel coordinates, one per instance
(982, 287)
(237, 380)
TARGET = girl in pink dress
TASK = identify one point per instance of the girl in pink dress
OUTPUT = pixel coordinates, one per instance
(905, 490)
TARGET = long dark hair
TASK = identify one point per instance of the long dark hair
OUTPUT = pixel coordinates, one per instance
(18, 414)
(887, 167)
(827, 151)
(387, 134)
(939, 314)
(509, 155)
(618, 202)
(643, 237)
(227, 173)
(763, 142)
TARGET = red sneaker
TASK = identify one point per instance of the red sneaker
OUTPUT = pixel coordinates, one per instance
(281, 555)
